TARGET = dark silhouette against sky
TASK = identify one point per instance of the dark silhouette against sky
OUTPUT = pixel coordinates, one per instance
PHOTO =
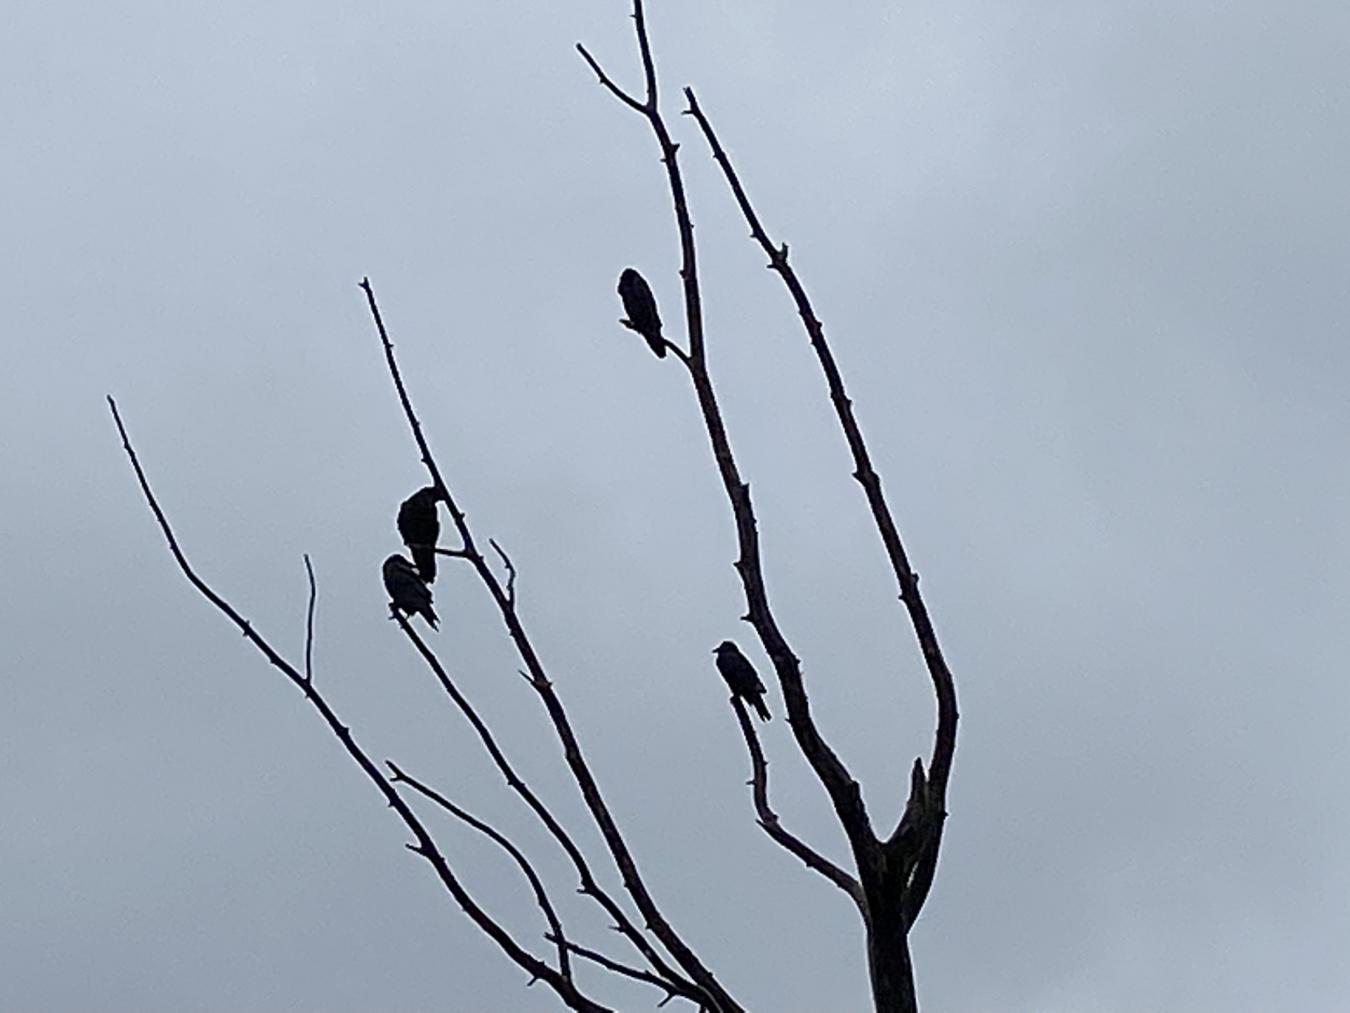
(1084, 270)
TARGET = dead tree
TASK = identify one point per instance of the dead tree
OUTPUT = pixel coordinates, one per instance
(888, 877)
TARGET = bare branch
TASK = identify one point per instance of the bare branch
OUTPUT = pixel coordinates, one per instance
(588, 884)
(425, 845)
(676, 350)
(648, 67)
(309, 621)
(633, 882)
(636, 973)
(556, 933)
(510, 571)
(908, 581)
(768, 819)
(619, 93)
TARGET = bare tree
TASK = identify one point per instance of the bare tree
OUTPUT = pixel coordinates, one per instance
(888, 877)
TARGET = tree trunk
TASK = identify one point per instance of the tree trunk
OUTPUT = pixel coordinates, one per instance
(888, 957)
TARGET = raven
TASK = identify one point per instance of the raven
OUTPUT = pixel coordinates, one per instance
(640, 305)
(420, 527)
(741, 677)
(408, 592)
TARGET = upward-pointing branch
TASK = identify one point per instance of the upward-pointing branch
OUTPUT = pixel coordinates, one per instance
(714, 993)
(944, 745)
(773, 826)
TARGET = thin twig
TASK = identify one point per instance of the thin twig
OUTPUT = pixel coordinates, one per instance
(618, 967)
(768, 819)
(645, 49)
(425, 845)
(309, 621)
(619, 93)
(510, 571)
(633, 882)
(556, 933)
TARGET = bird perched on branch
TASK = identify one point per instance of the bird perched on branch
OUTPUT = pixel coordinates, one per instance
(408, 592)
(420, 528)
(741, 677)
(640, 305)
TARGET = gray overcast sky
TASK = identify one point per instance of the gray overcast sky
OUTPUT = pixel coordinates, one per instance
(1085, 268)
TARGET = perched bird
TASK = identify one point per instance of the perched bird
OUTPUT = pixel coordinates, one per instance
(640, 305)
(741, 677)
(420, 527)
(408, 592)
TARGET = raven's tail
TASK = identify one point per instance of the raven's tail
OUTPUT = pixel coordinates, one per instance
(425, 558)
(761, 708)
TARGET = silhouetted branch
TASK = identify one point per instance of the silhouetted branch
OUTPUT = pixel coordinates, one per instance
(309, 621)
(425, 845)
(637, 974)
(516, 783)
(645, 49)
(556, 933)
(768, 819)
(945, 739)
(660, 927)
(622, 95)
(510, 571)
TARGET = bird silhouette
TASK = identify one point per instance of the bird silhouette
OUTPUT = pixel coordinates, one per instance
(640, 305)
(408, 592)
(741, 677)
(420, 527)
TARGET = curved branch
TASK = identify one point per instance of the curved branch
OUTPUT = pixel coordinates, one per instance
(556, 933)
(636, 973)
(510, 571)
(618, 92)
(309, 621)
(944, 744)
(425, 845)
(715, 994)
(768, 819)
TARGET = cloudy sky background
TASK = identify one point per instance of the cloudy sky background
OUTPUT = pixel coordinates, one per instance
(1085, 270)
